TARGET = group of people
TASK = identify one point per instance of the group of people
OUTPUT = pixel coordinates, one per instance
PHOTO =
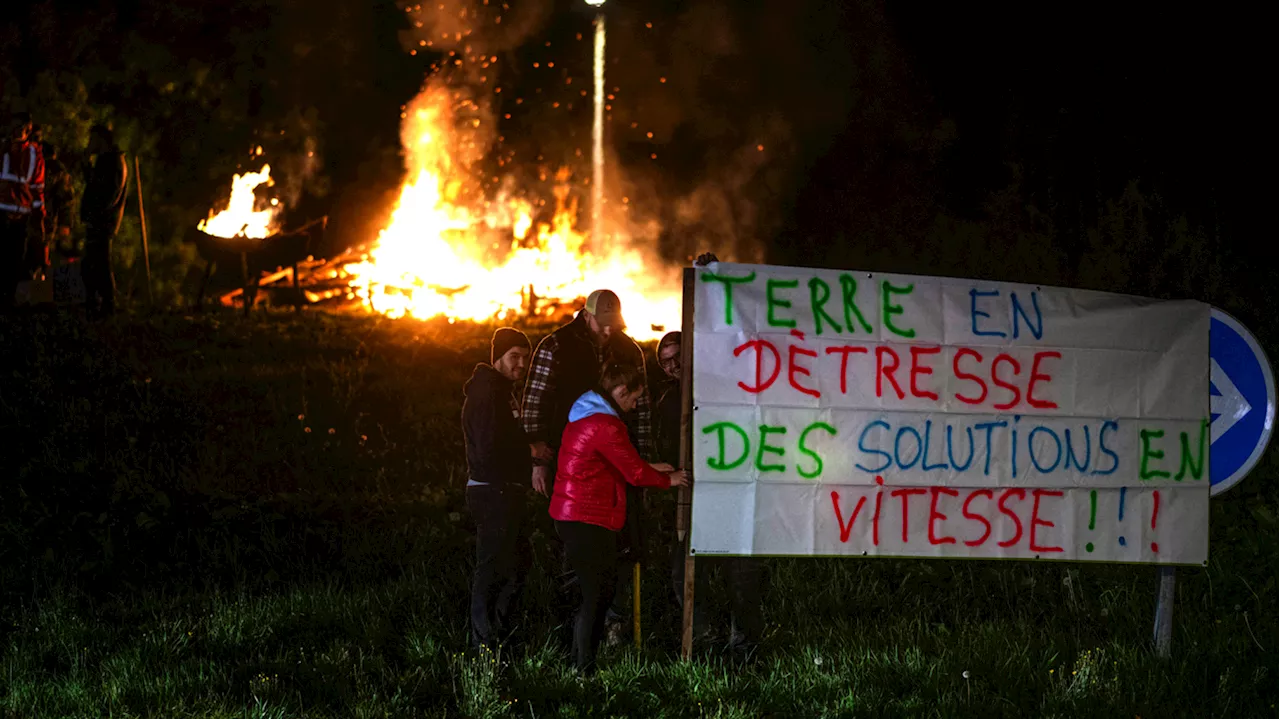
(36, 199)
(586, 436)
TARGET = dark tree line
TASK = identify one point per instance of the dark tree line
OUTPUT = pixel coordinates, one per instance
(193, 89)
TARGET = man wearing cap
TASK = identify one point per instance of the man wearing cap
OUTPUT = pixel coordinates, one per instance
(566, 364)
(498, 465)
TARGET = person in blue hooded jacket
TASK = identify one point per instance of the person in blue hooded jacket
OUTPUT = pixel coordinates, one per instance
(596, 464)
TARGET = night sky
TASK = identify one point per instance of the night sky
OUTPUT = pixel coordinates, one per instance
(1169, 94)
(876, 116)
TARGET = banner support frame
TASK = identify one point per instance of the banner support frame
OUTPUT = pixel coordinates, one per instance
(1162, 632)
(684, 502)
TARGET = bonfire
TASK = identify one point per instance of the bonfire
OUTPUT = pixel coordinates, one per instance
(448, 251)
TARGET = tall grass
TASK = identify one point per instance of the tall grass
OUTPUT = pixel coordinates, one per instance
(175, 542)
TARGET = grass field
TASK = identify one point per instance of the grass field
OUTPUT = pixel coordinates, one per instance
(216, 516)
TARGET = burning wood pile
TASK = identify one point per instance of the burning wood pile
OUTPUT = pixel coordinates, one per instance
(449, 249)
(326, 282)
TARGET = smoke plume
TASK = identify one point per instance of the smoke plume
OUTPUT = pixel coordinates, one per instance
(491, 25)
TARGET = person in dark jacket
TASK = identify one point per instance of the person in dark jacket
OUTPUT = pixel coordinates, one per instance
(596, 463)
(498, 466)
(101, 209)
(667, 407)
(667, 410)
(566, 364)
(59, 197)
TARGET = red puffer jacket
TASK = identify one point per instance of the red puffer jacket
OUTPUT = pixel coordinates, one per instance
(596, 460)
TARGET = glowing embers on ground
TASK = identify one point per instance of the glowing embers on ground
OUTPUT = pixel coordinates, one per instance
(444, 253)
(240, 219)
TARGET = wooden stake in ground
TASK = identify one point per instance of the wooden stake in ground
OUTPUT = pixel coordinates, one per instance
(635, 602)
(684, 500)
(142, 218)
(1162, 633)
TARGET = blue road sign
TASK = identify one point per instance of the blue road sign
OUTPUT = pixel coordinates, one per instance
(1242, 401)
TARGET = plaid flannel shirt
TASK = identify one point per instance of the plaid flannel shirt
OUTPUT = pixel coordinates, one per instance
(540, 390)
(535, 414)
(641, 426)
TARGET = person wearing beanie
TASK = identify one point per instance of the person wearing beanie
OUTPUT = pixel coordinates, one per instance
(499, 462)
(667, 408)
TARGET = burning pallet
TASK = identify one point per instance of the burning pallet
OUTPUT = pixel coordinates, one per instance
(308, 281)
(280, 272)
(275, 256)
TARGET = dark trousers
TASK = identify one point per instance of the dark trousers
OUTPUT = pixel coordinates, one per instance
(13, 250)
(592, 553)
(742, 579)
(630, 550)
(502, 559)
(95, 270)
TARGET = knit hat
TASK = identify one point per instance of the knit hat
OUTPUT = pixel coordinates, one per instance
(605, 306)
(670, 338)
(504, 338)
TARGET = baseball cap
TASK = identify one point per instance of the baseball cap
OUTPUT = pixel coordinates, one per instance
(605, 306)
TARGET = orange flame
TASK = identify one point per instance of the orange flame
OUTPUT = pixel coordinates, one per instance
(439, 255)
(240, 219)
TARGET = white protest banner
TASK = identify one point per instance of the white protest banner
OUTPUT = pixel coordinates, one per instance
(853, 413)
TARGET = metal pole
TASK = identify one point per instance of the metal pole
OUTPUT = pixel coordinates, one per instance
(1162, 633)
(684, 507)
(142, 218)
(597, 142)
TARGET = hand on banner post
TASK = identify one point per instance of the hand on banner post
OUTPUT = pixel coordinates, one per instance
(679, 478)
(705, 259)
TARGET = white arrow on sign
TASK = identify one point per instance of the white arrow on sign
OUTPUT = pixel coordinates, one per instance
(1229, 404)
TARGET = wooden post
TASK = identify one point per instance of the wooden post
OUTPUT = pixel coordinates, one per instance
(204, 285)
(635, 602)
(685, 497)
(244, 284)
(1162, 633)
(142, 218)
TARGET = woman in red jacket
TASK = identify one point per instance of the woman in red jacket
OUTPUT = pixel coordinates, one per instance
(589, 501)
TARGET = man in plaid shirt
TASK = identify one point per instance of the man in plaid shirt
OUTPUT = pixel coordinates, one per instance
(566, 364)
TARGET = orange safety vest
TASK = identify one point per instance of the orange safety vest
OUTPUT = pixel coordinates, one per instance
(22, 179)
